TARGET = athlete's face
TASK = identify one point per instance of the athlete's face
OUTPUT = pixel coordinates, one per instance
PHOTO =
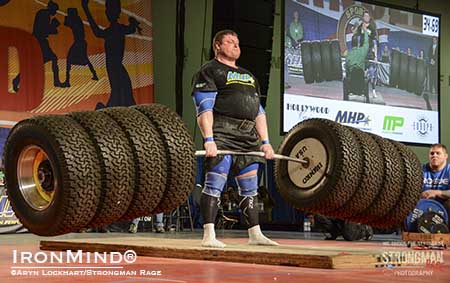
(229, 47)
(366, 18)
(438, 158)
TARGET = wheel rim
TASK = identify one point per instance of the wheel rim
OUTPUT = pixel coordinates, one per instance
(35, 177)
(307, 176)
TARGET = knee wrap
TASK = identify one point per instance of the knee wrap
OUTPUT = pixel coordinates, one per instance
(251, 167)
(209, 206)
(216, 178)
(249, 208)
(214, 184)
(248, 186)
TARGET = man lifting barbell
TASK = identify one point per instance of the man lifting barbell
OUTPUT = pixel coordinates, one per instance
(230, 117)
(354, 81)
(368, 27)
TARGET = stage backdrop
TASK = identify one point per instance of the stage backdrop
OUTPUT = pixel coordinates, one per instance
(70, 55)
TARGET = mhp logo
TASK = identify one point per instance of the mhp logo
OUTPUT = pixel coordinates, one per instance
(391, 123)
(349, 117)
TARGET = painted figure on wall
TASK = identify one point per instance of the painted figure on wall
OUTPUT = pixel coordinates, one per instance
(114, 36)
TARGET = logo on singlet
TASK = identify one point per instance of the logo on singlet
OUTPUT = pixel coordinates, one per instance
(430, 181)
(238, 78)
(200, 85)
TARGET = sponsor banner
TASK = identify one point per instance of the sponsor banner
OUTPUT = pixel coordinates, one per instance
(406, 125)
(293, 60)
(8, 220)
(4, 132)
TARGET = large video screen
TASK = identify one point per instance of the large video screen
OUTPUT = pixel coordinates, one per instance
(362, 64)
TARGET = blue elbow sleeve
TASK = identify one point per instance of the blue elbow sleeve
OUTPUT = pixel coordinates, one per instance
(261, 110)
(204, 101)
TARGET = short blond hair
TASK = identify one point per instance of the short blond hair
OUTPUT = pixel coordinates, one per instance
(219, 36)
(439, 145)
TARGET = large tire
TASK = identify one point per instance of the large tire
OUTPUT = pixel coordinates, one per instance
(307, 62)
(395, 68)
(150, 160)
(403, 74)
(411, 191)
(316, 62)
(325, 55)
(335, 168)
(421, 73)
(180, 155)
(53, 176)
(412, 74)
(336, 61)
(116, 159)
(371, 178)
(392, 186)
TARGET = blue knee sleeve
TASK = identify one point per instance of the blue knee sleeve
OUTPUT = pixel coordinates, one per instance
(216, 178)
(248, 186)
(223, 167)
(214, 184)
(251, 167)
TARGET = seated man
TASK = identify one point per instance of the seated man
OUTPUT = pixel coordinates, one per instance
(436, 175)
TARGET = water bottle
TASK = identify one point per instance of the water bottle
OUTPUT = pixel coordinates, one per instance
(306, 225)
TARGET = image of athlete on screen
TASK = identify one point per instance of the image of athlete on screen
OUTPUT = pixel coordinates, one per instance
(355, 82)
(330, 68)
(433, 71)
(367, 25)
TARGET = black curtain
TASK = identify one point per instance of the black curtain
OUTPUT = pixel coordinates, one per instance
(180, 22)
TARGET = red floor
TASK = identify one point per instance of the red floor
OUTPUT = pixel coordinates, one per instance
(174, 270)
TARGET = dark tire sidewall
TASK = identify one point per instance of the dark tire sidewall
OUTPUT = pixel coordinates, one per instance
(27, 215)
(306, 197)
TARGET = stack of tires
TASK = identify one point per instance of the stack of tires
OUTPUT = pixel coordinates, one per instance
(407, 72)
(321, 61)
(351, 175)
(88, 169)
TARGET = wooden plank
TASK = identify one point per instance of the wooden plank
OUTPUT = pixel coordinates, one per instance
(319, 256)
(427, 238)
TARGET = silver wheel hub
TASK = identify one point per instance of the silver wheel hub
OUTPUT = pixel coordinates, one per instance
(35, 177)
(307, 175)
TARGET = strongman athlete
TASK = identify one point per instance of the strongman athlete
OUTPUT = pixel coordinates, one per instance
(230, 117)
(364, 27)
(436, 175)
